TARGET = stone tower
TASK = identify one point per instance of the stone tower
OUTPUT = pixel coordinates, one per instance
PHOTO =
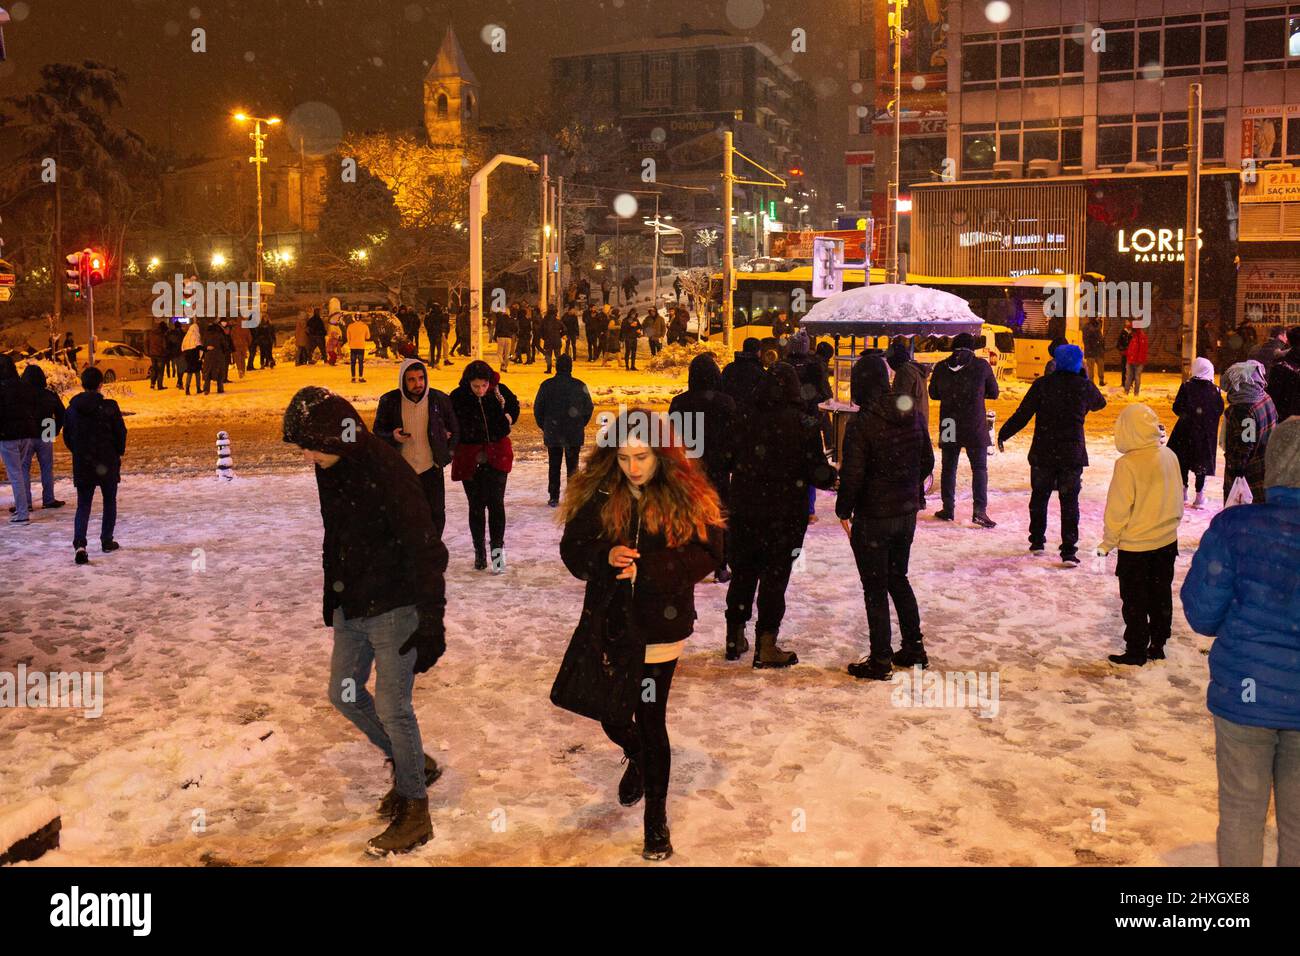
(451, 96)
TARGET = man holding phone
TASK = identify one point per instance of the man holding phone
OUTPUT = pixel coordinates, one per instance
(418, 421)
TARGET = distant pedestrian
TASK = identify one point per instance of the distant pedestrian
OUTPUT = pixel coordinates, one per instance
(1194, 440)
(50, 415)
(629, 332)
(961, 385)
(96, 435)
(1247, 423)
(1136, 360)
(155, 346)
(563, 407)
(358, 335)
(486, 410)
(316, 333)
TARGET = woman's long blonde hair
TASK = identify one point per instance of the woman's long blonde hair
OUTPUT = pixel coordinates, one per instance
(678, 500)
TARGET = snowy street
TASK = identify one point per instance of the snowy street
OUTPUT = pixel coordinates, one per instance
(217, 743)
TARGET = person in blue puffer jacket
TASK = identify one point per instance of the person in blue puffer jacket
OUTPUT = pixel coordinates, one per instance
(1243, 588)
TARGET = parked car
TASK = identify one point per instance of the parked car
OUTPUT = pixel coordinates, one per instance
(118, 361)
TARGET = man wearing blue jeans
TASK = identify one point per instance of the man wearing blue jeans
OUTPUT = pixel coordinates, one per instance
(94, 432)
(1243, 589)
(383, 595)
(49, 422)
(17, 429)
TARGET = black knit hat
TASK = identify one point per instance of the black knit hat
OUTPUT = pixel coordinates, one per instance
(963, 340)
(319, 420)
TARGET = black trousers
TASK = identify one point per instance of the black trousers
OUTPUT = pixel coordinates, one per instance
(486, 492)
(1200, 479)
(555, 453)
(881, 549)
(1067, 483)
(1146, 588)
(629, 355)
(156, 366)
(647, 735)
(593, 347)
(550, 353)
(435, 348)
(755, 569)
(435, 492)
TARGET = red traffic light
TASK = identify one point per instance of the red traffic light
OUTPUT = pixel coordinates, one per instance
(96, 267)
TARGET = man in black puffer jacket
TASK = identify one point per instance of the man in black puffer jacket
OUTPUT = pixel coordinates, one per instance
(562, 408)
(94, 432)
(19, 427)
(774, 455)
(716, 410)
(1059, 403)
(49, 420)
(384, 595)
(960, 386)
(418, 421)
(886, 455)
(743, 373)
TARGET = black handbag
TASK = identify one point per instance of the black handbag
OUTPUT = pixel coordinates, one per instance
(599, 678)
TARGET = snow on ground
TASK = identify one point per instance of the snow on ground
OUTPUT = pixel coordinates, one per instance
(217, 743)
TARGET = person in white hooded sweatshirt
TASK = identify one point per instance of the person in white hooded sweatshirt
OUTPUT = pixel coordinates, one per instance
(1144, 507)
(417, 419)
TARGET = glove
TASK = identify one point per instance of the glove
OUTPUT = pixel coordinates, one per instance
(428, 640)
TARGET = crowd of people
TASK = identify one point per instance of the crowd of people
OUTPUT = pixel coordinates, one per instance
(643, 524)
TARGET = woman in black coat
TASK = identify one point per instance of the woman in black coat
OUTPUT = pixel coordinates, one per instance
(708, 411)
(642, 525)
(1198, 405)
(486, 410)
(775, 455)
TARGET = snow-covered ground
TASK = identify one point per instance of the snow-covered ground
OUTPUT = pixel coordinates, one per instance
(217, 743)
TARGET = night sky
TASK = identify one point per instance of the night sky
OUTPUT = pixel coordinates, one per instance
(366, 59)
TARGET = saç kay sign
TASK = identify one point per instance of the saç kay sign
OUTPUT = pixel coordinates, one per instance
(1154, 245)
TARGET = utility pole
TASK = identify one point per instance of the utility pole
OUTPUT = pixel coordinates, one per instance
(1192, 228)
(258, 159)
(654, 264)
(729, 180)
(544, 243)
(896, 36)
(478, 207)
(559, 244)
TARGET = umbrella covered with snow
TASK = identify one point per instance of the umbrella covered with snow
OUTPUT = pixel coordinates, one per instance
(892, 309)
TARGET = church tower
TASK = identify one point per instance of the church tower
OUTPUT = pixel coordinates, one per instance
(451, 96)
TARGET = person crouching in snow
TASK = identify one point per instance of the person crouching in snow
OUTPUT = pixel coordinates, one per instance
(886, 455)
(1143, 509)
(1242, 590)
(418, 421)
(642, 526)
(384, 595)
(1199, 406)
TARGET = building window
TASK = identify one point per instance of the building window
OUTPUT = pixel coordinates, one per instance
(1158, 139)
(659, 91)
(865, 187)
(602, 82)
(731, 84)
(1272, 38)
(631, 92)
(1015, 58)
(978, 150)
(1175, 46)
(686, 80)
(442, 106)
(469, 105)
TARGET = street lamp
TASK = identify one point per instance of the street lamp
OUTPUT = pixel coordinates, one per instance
(257, 159)
(478, 207)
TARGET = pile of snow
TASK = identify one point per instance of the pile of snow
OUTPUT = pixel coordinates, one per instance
(891, 309)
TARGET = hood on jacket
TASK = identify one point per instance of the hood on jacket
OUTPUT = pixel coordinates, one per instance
(1068, 358)
(868, 380)
(1244, 382)
(564, 366)
(406, 365)
(959, 359)
(8, 370)
(1203, 369)
(34, 376)
(703, 374)
(780, 386)
(1138, 426)
(899, 353)
(1282, 456)
(318, 419)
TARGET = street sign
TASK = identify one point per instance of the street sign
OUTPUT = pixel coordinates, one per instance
(672, 244)
(827, 254)
(6, 293)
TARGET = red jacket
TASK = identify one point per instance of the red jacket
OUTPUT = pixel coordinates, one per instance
(1137, 348)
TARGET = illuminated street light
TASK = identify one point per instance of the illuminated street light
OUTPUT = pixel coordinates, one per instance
(258, 137)
(218, 260)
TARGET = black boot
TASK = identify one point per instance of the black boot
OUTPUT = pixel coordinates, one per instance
(388, 805)
(1134, 658)
(767, 654)
(658, 842)
(632, 786)
(480, 556)
(1156, 652)
(737, 644)
(911, 654)
(873, 668)
(411, 827)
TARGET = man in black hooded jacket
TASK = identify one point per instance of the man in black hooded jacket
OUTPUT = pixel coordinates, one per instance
(744, 372)
(94, 432)
(716, 411)
(563, 407)
(774, 454)
(960, 386)
(886, 455)
(383, 594)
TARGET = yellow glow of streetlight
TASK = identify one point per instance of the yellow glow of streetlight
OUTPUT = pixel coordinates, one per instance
(240, 117)
(218, 260)
(273, 121)
(154, 262)
(361, 254)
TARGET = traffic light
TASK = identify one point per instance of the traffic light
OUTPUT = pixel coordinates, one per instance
(96, 266)
(75, 273)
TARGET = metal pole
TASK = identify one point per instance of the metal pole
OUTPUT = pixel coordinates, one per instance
(559, 243)
(728, 260)
(477, 210)
(544, 243)
(654, 266)
(90, 310)
(1191, 229)
(896, 23)
(257, 163)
